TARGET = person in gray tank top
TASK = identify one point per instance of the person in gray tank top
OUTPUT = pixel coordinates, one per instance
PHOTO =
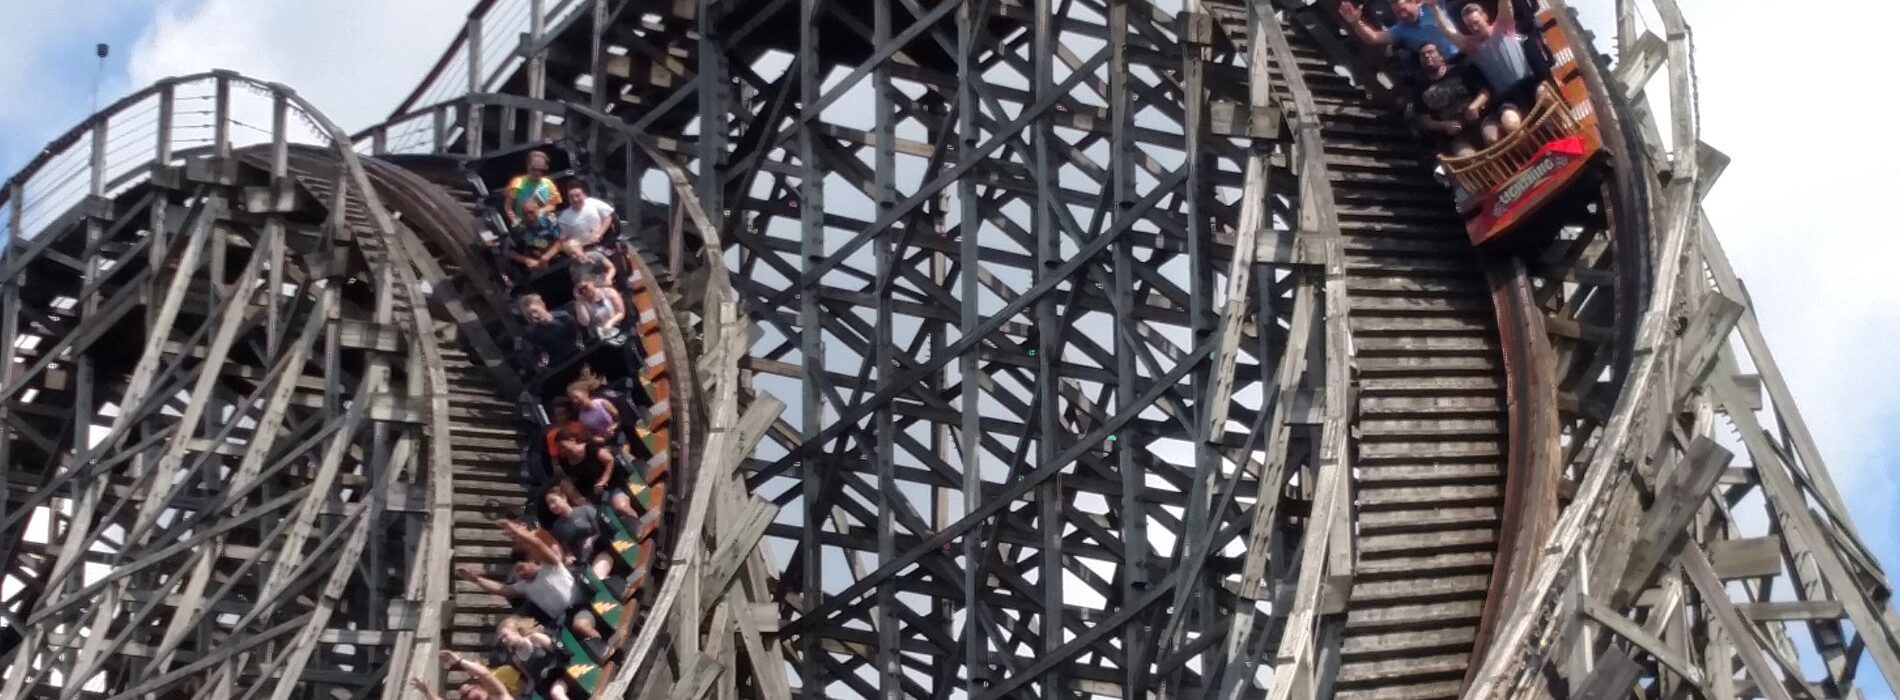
(1497, 49)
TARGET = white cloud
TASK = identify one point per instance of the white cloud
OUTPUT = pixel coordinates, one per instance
(354, 59)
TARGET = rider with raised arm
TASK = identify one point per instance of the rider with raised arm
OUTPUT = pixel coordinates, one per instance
(1410, 29)
(1498, 50)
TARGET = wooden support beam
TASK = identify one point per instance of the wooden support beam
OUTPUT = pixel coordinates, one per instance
(1665, 526)
(1746, 558)
(739, 541)
(1715, 598)
(1792, 610)
(1662, 651)
(1613, 678)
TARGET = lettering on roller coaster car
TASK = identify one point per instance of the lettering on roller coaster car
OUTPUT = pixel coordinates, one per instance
(1554, 156)
(1525, 180)
(1549, 167)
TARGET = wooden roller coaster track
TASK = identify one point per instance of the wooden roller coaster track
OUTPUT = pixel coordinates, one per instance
(1032, 348)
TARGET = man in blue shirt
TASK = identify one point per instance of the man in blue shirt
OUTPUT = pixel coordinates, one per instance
(1410, 29)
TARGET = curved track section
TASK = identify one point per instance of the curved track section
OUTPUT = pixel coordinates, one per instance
(1024, 167)
(1430, 416)
(295, 411)
(228, 415)
(502, 474)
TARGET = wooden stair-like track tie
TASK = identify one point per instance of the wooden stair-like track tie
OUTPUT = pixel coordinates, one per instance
(1431, 425)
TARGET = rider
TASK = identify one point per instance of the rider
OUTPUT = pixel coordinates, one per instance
(531, 202)
(1410, 30)
(1498, 50)
(1451, 106)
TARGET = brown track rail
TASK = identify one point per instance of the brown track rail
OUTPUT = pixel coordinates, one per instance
(1419, 630)
(445, 210)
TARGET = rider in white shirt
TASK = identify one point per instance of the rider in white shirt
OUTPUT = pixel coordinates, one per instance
(584, 220)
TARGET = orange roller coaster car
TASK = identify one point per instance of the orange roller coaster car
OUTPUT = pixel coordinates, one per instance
(1512, 179)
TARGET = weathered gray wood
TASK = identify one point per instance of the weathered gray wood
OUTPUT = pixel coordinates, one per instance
(1746, 558)
(1613, 678)
(1252, 225)
(1665, 526)
(1253, 570)
(1293, 663)
(1629, 630)
(250, 466)
(1715, 599)
(1791, 610)
(538, 66)
(472, 125)
(1769, 378)
(740, 540)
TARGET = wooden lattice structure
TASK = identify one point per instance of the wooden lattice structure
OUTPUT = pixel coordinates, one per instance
(1030, 349)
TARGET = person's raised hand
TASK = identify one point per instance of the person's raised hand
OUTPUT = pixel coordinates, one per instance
(1349, 11)
(467, 572)
(420, 684)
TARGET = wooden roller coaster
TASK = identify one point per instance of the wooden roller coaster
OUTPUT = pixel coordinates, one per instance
(975, 348)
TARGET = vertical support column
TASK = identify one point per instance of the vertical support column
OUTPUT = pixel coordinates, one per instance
(89, 304)
(1134, 479)
(1627, 27)
(221, 165)
(9, 328)
(711, 189)
(811, 208)
(472, 132)
(280, 191)
(538, 64)
(944, 610)
(221, 128)
(1194, 34)
(632, 203)
(1047, 343)
(160, 248)
(890, 673)
(598, 70)
(439, 129)
(970, 271)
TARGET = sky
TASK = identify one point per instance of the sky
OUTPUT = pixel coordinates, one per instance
(1802, 210)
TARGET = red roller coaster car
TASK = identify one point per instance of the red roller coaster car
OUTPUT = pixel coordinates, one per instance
(1512, 179)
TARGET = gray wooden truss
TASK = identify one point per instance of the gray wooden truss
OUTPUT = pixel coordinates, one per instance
(222, 394)
(1042, 348)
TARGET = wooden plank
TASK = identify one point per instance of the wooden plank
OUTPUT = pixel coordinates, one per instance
(1715, 599)
(1260, 531)
(740, 540)
(1629, 630)
(1793, 610)
(1613, 678)
(1665, 526)
(1707, 335)
(1239, 292)
(1746, 558)
(698, 680)
(690, 541)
